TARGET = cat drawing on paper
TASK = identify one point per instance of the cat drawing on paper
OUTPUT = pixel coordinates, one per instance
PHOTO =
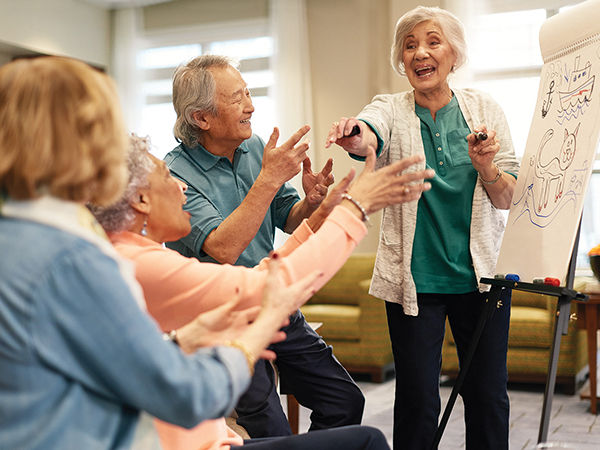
(553, 171)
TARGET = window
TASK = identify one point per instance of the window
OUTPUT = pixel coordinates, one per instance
(510, 32)
(512, 75)
(248, 43)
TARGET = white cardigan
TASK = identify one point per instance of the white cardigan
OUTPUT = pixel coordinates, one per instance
(394, 118)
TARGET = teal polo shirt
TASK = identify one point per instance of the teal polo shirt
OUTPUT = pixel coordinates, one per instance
(441, 260)
(216, 187)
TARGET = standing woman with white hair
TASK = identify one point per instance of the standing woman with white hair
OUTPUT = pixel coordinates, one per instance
(433, 252)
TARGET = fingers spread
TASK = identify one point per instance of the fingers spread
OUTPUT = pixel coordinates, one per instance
(272, 142)
(370, 160)
(344, 183)
(327, 168)
(306, 165)
(295, 138)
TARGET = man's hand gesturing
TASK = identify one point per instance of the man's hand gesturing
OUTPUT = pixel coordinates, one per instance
(281, 164)
(315, 185)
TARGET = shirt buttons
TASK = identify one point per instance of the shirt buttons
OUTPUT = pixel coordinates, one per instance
(439, 149)
(441, 163)
(437, 134)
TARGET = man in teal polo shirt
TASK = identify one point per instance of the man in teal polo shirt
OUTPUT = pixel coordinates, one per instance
(237, 195)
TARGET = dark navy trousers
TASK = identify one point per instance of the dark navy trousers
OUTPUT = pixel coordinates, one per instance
(308, 370)
(345, 438)
(417, 347)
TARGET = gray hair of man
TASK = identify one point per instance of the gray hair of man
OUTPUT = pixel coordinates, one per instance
(120, 215)
(451, 27)
(194, 90)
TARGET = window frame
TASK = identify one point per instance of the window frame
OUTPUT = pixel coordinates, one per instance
(202, 35)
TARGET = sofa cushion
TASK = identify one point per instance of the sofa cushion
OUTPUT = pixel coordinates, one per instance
(343, 289)
(523, 298)
(340, 322)
(530, 327)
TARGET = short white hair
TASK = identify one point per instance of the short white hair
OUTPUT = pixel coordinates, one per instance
(451, 27)
(120, 215)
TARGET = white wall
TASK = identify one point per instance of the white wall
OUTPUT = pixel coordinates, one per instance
(349, 44)
(57, 27)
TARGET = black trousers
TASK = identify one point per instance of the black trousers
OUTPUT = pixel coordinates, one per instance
(417, 347)
(309, 371)
(344, 438)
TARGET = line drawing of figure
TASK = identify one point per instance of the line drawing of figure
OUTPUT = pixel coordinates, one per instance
(554, 169)
(578, 93)
(546, 104)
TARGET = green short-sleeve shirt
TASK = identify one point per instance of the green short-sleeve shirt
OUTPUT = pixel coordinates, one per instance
(441, 260)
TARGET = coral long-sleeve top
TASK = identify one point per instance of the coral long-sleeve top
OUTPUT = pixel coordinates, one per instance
(177, 289)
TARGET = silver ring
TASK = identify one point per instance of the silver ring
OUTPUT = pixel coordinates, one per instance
(406, 191)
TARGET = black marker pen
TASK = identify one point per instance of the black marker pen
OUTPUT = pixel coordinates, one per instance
(355, 131)
(481, 135)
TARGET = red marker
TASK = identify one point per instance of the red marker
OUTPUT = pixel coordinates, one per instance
(552, 281)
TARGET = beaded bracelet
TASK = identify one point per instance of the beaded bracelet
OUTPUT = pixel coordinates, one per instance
(365, 216)
(494, 180)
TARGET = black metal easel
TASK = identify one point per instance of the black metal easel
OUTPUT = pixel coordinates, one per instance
(565, 296)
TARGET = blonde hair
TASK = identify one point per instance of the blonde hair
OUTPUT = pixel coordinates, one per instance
(62, 132)
(450, 25)
(194, 90)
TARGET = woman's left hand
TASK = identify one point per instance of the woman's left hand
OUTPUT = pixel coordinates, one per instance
(482, 152)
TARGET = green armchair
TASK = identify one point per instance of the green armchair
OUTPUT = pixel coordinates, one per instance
(529, 341)
(354, 322)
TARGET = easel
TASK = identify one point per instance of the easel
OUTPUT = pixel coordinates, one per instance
(565, 296)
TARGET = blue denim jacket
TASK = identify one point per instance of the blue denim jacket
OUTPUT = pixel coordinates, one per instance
(78, 356)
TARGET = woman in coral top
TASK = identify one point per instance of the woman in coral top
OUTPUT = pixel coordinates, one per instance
(177, 289)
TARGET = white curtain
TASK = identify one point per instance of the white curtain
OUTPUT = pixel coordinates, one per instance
(292, 90)
(291, 66)
(127, 23)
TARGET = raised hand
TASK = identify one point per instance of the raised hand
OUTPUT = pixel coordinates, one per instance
(216, 326)
(282, 163)
(357, 144)
(482, 152)
(315, 185)
(392, 184)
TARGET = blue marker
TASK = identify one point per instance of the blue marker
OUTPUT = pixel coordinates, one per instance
(512, 277)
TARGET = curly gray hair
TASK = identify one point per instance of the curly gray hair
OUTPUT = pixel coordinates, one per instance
(120, 215)
(194, 90)
(451, 27)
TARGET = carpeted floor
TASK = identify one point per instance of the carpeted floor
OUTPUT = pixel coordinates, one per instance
(571, 421)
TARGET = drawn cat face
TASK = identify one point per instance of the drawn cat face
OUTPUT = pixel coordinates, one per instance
(567, 151)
